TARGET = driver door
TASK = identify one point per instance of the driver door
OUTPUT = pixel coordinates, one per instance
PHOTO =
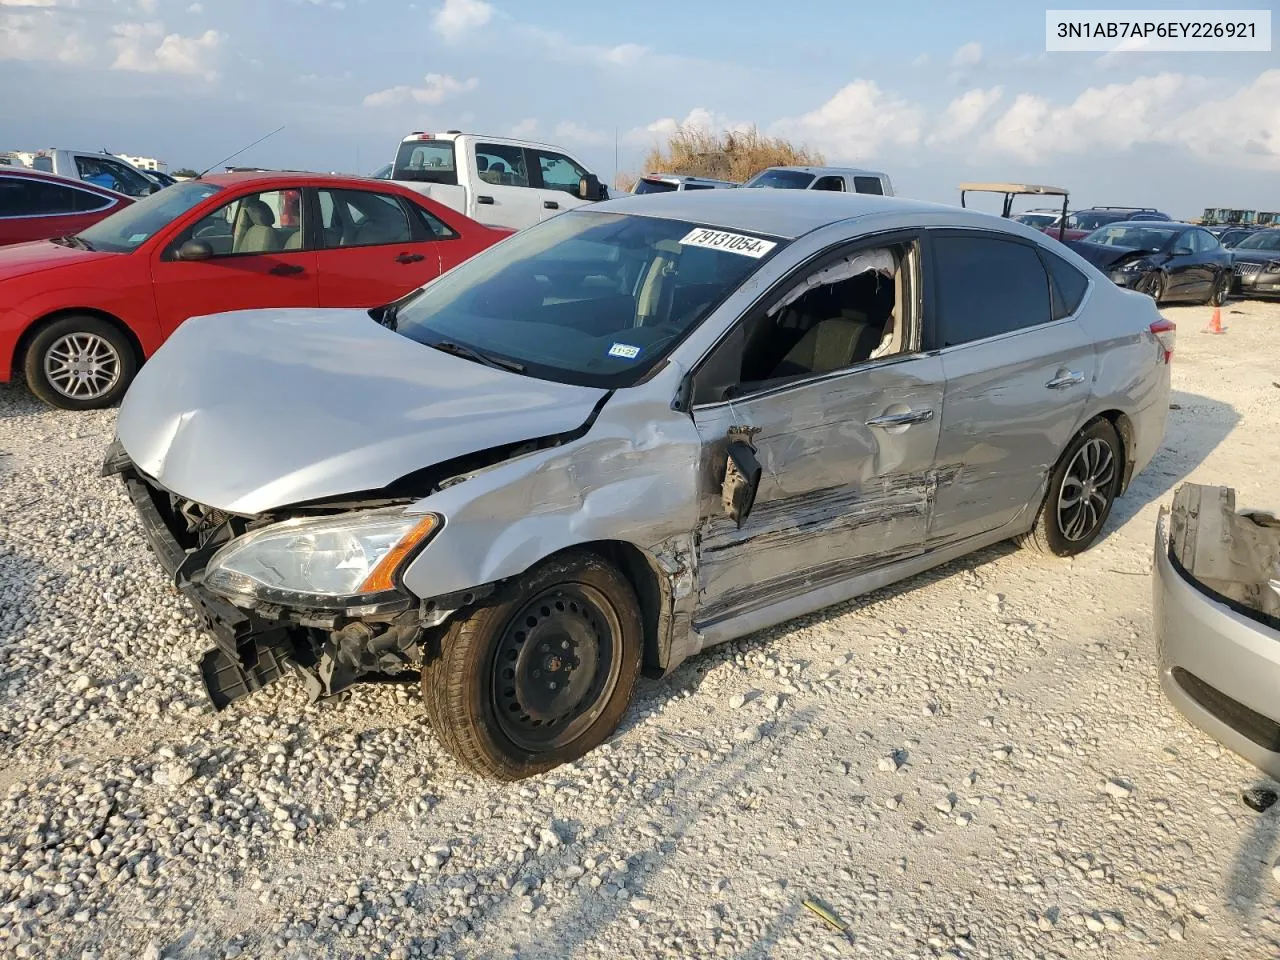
(845, 443)
(261, 258)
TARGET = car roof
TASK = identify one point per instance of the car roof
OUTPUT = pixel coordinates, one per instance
(683, 178)
(819, 169)
(1148, 224)
(286, 176)
(777, 213)
(27, 173)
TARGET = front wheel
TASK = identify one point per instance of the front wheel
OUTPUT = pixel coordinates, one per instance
(1153, 285)
(79, 363)
(542, 674)
(1082, 488)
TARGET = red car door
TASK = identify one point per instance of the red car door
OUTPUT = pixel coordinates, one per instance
(374, 247)
(248, 253)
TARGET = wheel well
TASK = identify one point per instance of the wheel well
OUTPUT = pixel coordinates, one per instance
(653, 591)
(1124, 427)
(20, 352)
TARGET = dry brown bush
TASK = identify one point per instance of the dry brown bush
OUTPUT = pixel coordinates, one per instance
(725, 155)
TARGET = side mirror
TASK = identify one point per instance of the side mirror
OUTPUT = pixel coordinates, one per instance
(589, 188)
(741, 481)
(195, 250)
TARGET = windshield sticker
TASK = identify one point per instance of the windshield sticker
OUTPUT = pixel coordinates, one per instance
(624, 350)
(138, 237)
(731, 242)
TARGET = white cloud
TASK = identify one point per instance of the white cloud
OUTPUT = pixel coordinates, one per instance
(1114, 117)
(963, 115)
(623, 54)
(456, 18)
(41, 35)
(856, 123)
(699, 118)
(146, 48)
(970, 55)
(147, 6)
(436, 88)
(921, 61)
(28, 3)
(196, 8)
(1247, 120)
(525, 129)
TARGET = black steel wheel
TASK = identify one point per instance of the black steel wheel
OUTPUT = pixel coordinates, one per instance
(1082, 488)
(542, 673)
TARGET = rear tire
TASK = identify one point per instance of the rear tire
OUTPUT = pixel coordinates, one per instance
(542, 674)
(79, 362)
(1082, 488)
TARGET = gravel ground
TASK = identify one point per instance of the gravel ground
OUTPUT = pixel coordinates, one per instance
(975, 763)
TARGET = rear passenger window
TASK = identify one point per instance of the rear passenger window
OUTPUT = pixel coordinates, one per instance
(868, 185)
(32, 198)
(359, 218)
(986, 287)
(1067, 285)
(835, 184)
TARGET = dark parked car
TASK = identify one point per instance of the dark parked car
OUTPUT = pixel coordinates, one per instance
(1165, 260)
(1083, 222)
(1230, 237)
(1257, 265)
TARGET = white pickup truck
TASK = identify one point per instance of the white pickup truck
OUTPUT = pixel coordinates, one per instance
(495, 180)
(101, 169)
(836, 179)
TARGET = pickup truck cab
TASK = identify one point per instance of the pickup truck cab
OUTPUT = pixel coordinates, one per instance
(837, 179)
(498, 181)
(100, 169)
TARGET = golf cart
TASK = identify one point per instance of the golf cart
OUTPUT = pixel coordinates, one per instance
(1011, 190)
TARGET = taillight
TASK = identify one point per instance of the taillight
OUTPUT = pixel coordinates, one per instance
(1165, 331)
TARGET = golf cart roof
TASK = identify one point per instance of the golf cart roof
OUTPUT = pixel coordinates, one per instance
(1015, 188)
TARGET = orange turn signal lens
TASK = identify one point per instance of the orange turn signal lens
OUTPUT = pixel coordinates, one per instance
(383, 577)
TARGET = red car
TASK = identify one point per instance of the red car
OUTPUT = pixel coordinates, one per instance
(36, 205)
(80, 313)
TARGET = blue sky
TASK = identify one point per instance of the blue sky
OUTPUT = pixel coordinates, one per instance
(933, 93)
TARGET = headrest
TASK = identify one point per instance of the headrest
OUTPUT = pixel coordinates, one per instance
(259, 213)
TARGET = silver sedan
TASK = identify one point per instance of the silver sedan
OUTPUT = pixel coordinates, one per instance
(627, 434)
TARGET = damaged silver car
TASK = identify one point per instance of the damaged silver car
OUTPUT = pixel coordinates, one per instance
(1217, 619)
(627, 434)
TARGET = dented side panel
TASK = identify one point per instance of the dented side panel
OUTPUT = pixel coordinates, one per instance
(835, 493)
(1004, 427)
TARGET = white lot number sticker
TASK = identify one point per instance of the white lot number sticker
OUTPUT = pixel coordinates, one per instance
(730, 242)
(624, 350)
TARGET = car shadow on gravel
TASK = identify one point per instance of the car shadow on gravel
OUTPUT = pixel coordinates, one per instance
(705, 790)
(1196, 426)
(1248, 888)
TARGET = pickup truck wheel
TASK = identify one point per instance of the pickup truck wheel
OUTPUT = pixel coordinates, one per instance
(1082, 488)
(79, 363)
(542, 674)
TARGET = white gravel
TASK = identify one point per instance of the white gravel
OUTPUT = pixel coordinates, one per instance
(977, 763)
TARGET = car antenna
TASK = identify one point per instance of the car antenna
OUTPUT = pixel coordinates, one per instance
(240, 151)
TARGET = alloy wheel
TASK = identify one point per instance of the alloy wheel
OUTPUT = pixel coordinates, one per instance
(1086, 489)
(82, 366)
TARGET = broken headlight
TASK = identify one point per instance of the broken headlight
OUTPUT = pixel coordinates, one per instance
(323, 562)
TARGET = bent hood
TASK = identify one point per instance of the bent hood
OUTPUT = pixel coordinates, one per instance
(254, 410)
(1104, 256)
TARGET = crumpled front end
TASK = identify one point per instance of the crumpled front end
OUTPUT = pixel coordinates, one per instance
(329, 644)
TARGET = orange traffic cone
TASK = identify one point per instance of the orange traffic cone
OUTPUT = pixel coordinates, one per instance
(1215, 323)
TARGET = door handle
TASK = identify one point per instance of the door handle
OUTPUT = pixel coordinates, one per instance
(488, 200)
(550, 205)
(286, 269)
(901, 419)
(1067, 378)
(409, 258)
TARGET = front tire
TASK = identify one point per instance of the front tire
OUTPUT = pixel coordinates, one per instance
(79, 363)
(1153, 285)
(1219, 291)
(1082, 488)
(542, 674)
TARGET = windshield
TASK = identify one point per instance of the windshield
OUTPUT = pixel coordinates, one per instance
(645, 185)
(427, 161)
(1151, 238)
(125, 231)
(1037, 220)
(1266, 240)
(781, 179)
(382, 173)
(594, 299)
